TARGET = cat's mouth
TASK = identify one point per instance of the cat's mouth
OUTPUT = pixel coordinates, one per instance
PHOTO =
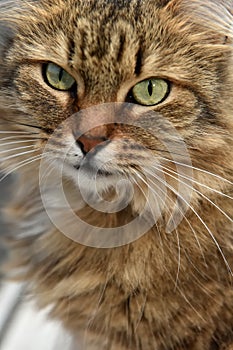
(90, 170)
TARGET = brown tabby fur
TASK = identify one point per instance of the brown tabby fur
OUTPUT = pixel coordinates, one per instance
(162, 291)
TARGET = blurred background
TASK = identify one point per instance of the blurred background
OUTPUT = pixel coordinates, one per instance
(5, 193)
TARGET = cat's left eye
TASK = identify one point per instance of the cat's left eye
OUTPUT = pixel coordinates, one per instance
(151, 91)
(58, 78)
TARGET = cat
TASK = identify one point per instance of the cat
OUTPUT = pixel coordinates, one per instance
(117, 118)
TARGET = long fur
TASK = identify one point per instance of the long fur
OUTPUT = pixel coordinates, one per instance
(163, 291)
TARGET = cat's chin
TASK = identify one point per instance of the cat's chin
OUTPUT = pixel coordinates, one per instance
(89, 180)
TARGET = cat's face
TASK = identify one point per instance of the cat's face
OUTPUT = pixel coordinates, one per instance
(118, 82)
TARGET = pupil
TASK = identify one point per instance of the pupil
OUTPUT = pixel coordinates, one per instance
(150, 87)
(60, 74)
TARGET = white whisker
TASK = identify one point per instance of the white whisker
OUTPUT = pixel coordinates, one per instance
(145, 196)
(15, 142)
(15, 149)
(94, 313)
(18, 155)
(169, 211)
(201, 273)
(18, 132)
(20, 165)
(179, 259)
(195, 190)
(15, 137)
(198, 169)
(186, 299)
(201, 220)
(49, 169)
(198, 183)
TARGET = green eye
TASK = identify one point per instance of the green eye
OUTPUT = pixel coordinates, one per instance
(151, 91)
(58, 78)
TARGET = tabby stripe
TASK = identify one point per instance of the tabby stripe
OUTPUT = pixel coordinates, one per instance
(121, 47)
(71, 50)
(138, 66)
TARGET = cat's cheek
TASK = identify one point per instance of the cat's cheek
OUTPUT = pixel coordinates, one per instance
(41, 101)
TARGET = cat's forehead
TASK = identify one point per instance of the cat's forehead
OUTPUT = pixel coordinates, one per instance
(51, 22)
(92, 33)
(109, 42)
(135, 5)
(100, 16)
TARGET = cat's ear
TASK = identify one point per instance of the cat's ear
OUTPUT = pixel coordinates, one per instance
(213, 15)
(216, 14)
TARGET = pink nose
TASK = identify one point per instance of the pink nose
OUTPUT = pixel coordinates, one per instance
(87, 143)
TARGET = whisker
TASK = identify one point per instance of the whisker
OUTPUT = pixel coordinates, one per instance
(198, 183)
(17, 137)
(49, 169)
(20, 165)
(18, 132)
(18, 155)
(23, 124)
(195, 190)
(197, 240)
(141, 189)
(15, 142)
(179, 259)
(203, 223)
(169, 211)
(198, 169)
(93, 315)
(157, 195)
(186, 299)
(145, 196)
(200, 272)
(15, 149)
(188, 222)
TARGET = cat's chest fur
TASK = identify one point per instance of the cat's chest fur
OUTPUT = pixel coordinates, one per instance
(152, 294)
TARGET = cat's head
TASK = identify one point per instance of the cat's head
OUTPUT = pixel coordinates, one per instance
(127, 86)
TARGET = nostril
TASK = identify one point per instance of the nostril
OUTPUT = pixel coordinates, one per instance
(81, 146)
(87, 143)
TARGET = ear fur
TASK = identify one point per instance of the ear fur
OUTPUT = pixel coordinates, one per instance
(216, 15)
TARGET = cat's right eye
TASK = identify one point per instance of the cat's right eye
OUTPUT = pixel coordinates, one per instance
(56, 77)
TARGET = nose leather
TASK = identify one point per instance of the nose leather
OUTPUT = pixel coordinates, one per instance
(87, 143)
(94, 137)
